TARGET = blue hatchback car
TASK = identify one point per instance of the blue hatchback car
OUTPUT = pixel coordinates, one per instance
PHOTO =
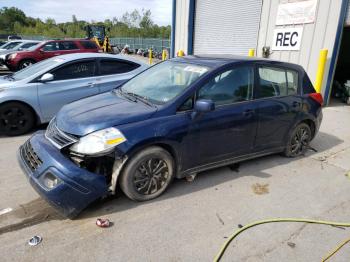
(176, 119)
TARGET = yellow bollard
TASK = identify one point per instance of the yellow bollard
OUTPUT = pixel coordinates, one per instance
(320, 71)
(251, 52)
(150, 55)
(164, 56)
(180, 53)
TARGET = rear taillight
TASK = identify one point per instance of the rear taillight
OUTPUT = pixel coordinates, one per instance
(317, 97)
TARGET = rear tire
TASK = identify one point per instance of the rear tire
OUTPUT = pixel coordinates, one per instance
(147, 174)
(25, 63)
(299, 141)
(16, 119)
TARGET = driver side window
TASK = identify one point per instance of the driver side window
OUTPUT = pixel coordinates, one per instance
(235, 85)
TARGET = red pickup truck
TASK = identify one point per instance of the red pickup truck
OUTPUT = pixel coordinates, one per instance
(48, 49)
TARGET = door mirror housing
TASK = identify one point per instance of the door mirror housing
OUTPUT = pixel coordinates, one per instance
(204, 106)
(46, 77)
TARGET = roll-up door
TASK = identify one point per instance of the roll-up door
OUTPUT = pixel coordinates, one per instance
(226, 26)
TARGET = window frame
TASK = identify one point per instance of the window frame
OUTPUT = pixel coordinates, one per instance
(99, 65)
(194, 95)
(277, 67)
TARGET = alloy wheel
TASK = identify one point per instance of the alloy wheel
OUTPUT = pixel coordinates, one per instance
(151, 176)
(300, 141)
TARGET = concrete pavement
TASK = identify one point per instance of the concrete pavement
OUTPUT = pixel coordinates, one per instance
(192, 219)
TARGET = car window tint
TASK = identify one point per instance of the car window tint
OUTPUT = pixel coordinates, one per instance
(67, 45)
(277, 82)
(27, 45)
(76, 70)
(293, 80)
(52, 46)
(88, 44)
(229, 87)
(109, 67)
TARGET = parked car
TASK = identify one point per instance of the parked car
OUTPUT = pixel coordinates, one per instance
(10, 45)
(177, 118)
(48, 49)
(35, 94)
(24, 45)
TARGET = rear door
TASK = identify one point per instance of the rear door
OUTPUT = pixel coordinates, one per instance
(114, 72)
(67, 47)
(71, 82)
(279, 105)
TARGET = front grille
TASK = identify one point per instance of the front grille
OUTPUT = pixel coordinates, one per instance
(31, 159)
(57, 137)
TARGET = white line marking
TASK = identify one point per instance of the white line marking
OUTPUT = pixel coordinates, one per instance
(6, 210)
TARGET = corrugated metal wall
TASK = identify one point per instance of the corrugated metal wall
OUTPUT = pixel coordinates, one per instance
(226, 26)
(316, 36)
(181, 26)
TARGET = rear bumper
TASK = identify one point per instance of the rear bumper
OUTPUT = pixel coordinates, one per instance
(77, 187)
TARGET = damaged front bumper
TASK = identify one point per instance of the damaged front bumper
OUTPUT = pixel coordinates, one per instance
(67, 187)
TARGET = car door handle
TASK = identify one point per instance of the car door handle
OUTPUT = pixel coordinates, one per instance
(91, 84)
(248, 112)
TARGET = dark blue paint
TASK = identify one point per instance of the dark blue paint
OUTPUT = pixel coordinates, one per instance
(191, 17)
(341, 22)
(197, 140)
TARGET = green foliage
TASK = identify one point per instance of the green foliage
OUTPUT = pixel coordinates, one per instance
(134, 24)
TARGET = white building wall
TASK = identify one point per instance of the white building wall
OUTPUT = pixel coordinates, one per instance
(181, 26)
(316, 36)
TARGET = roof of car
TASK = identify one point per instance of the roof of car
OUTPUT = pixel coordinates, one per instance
(214, 61)
(76, 56)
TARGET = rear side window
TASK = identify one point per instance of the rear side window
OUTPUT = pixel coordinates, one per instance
(68, 45)
(88, 45)
(75, 70)
(109, 67)
(277, 82)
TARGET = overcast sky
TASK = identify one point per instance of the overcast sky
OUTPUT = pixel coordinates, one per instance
(98, 10)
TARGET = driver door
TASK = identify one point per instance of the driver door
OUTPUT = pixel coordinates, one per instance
(230, 129)
(71, 82)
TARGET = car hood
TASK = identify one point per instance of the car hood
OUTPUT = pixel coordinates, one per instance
(4, 82)
(102, 111)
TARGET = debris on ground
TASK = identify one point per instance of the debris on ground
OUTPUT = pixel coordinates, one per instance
(103, 222)
(260, 189)
(220, 219)
(291, 244)
(35, 240)
(240, 226)
(190, 178)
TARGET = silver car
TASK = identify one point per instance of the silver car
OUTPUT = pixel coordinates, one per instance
(34, 95)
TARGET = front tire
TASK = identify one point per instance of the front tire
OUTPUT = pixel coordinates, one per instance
(16, 119)
(147, 174)
(299, 141)
(25, 63)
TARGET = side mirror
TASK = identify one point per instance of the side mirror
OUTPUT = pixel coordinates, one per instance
(204, 106)
(46, 77)
(41, 50)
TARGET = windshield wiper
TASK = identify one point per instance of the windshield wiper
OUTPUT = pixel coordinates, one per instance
(10, 76)
(139, 97)
(126, 95)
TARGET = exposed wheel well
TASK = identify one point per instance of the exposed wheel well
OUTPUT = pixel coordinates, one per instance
(37, 118)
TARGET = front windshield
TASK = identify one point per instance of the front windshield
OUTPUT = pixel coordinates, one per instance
(10, 45)
(163, 82)
(33, 69)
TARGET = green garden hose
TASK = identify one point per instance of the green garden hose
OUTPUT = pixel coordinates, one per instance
(278, 220)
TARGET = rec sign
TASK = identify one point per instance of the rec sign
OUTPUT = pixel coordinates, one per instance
(287, 39)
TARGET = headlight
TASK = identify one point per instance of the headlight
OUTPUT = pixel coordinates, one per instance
(98, 142)
(12, 56)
